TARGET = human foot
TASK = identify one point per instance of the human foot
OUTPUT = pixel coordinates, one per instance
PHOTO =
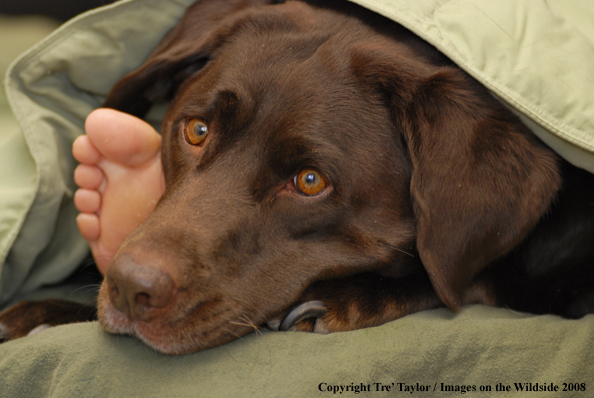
(120, 179)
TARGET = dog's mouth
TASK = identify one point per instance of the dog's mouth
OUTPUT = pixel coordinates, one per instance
(207, 324)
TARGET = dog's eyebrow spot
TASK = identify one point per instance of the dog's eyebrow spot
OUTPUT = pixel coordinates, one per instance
(299, 143)
(285, 156)
(227, 105)
(223, 104)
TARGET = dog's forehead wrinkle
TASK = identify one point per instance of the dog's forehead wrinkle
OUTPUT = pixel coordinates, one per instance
(255, 47)
(289, 22)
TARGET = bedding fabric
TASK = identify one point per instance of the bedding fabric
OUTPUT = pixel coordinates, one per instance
(536, 56)
(480, 348)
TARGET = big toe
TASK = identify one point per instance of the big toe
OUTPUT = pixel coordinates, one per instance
(122, 138)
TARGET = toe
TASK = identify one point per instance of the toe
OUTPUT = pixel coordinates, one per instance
(89, 227)
(84, 151)
(88, 177)
(122, 138)
(87, 200)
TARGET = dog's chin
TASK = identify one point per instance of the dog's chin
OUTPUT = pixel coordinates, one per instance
(171, 338)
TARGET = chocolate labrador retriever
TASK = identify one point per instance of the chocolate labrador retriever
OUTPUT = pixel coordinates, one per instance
(321, 157)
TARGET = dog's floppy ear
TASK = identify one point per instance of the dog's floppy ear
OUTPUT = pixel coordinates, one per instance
(184, 50)
(480, 181)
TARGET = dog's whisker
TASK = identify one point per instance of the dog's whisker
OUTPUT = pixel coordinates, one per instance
(403, 251)
(231, 332)
(246, 322)
(90, 287)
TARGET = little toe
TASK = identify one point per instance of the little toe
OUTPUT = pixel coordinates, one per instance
(89, 177)
(89, 226)
(122, 138)
(84, 151)
(87, 200)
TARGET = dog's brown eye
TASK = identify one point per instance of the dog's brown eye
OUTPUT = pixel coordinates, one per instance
(309, 182)
(196, 131)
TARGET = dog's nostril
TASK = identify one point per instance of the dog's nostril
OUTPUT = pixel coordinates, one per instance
(137, 290)
(143, 299)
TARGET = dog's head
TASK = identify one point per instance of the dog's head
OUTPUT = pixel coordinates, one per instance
(304, 144)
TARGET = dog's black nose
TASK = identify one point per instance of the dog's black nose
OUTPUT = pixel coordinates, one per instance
(138, 290)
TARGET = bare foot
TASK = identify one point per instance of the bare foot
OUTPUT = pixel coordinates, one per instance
(120, 179)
